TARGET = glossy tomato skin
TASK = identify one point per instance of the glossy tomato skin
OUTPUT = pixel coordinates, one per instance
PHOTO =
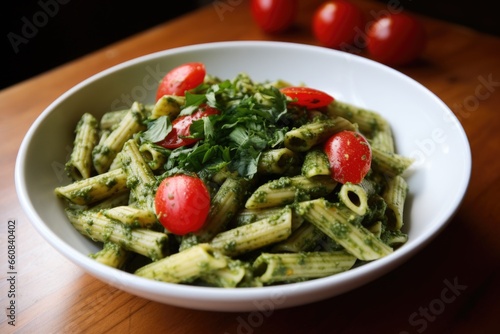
(336, 23)
(396, 39)
(180, 128)
(182, 203)
(309, 98)
(180, 79)
(349, 155)
(274, 16)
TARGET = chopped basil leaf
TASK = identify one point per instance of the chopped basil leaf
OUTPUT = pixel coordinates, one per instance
(253, 118)
(157, 130)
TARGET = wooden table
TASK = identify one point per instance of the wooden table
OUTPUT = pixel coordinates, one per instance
(453, 285)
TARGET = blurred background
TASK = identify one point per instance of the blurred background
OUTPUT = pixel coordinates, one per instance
(42, 34)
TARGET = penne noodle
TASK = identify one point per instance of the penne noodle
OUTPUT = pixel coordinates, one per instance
(184, 266)
(79, 165)
(273, 214)
(104, 153)
(342, 225)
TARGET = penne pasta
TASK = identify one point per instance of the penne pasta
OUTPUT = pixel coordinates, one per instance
(305, 137)
(388, 163)
(355, 196)
(342, 225)
(233, 274)
(255, 235)
(184, 266)
(79, 165)
(315, 163)
(132, 216)
(168, 105)
(104, 153)
(276, 161)
(153, 155)
(225, 205)
(286, 190)
(370, 123)
(307, 237)
(112, 255)
(111, 119)
(98, 227)
(94, 189)
(292, 267)
(140, 179)
(229, 186)
(395, 196)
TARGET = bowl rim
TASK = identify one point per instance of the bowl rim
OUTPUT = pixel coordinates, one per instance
(129, 282)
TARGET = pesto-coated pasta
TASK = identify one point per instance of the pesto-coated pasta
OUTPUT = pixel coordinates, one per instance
(286, 190)
(225, 204)
(140, 179)
(168, 105)
(230, 276)
(276, 161)
(153, 155)
(315, 163)
(184, 266)
(355, 196)
(111, 119)
(255, 235)
(389, 163)
(79, 165)
(130, 215)
(95, 188)
(306, 238)
(395, 196)
(98, 227)
(342, 225)
(370, 123)
(292, 267)
(104, 153)
(272, 212)
(302, 139)
(112, 255)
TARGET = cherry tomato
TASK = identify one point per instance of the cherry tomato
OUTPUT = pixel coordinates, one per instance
(180, 79)
(350, 156)
(396, 39)
(182, 203)
(180, 128)
(335, 23)
(309, 98)
(274, 16)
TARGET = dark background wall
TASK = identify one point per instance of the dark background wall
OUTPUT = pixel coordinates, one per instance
(38, 35)
(41, 34)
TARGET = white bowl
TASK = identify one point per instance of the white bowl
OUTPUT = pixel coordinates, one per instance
(424, 128)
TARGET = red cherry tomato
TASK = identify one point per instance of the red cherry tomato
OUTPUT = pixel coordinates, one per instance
(396, 39)
(180, 128)
(309, 98)
(182, 203)
(335, 23)
(180, 79)
(274, 16)
(350, 156)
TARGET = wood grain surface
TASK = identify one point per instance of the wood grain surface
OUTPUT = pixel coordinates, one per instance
(461, 66)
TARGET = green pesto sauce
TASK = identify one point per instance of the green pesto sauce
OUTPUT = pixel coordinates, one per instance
(102, 149)
(339, 230)
(109, 182)
(230, 246)
(132, 182)
(281, 183)
(84, 193)
(260, 196)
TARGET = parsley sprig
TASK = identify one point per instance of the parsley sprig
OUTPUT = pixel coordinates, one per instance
(253, 119)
